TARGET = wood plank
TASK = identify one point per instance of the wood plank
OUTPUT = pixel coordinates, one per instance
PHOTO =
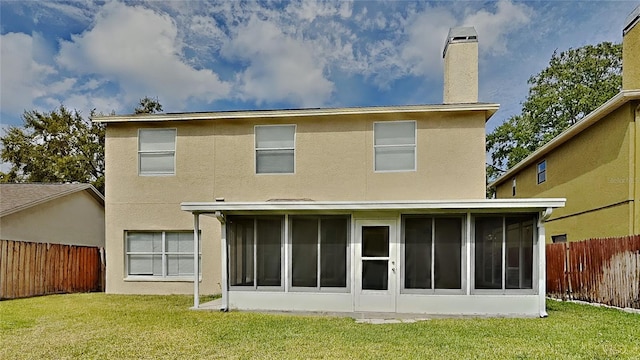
(4, 257)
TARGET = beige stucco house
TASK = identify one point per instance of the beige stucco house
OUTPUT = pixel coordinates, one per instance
(336, 209)
(71, 214)
(595, 164)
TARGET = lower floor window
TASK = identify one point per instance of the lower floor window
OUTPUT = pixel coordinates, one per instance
(432, 252)
(504, 252)
(159, 254)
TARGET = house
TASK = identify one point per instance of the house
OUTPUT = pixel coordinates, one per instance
(335, 209)
(595, 164)
(71, 214)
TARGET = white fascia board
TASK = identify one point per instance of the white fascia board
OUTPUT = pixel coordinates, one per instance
(603, 110)
(533, 204)
(490, 108)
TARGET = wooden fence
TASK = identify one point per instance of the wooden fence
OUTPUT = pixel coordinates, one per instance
(31, 269)
(605, 271)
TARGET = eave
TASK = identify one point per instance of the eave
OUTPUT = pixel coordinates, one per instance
(602, 111)
(489, 110)
(480, 205)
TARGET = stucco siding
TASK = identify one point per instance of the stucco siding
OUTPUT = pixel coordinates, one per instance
(75, 219)
(333, 161)
(592, 170)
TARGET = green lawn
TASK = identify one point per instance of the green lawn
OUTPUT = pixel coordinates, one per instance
(115, 326)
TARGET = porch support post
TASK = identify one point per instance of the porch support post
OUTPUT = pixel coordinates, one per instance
(223, 261)
(542, 263)
(196, 262)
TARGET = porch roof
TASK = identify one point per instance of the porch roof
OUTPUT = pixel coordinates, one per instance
(483, 205)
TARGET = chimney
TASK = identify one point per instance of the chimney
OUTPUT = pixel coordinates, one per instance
(461, 66)
(631, 51)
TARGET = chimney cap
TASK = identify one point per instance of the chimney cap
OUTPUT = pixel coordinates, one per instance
(631, 20)
(459, 35)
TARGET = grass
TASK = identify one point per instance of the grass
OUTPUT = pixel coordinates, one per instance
(117, 326)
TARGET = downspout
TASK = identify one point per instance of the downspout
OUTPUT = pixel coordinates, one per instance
(223, 254)
(196, 262)
(542, 261)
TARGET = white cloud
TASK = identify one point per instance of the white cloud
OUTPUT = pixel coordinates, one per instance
(280, 67)
(139, 49)
(23, 79)
(493, 28)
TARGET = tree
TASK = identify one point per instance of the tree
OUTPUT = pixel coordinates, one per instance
(574, 84)
(148, 105)
(58, 146)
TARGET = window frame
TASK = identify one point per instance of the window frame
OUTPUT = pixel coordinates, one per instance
(164, 253)
(255, 286)
(513, 186)
(157, 152)
(542, 172)
(318, 287)
(414, 145)
(534, 258)
(256, 149)
(463, 250)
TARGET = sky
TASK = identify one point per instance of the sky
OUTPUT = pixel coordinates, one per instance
(245, 55)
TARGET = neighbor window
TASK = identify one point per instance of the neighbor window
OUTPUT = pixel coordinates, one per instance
(513, 187)
(275, 149)
(156, 151)
(255, 251)
(432, 252)
(394, 145)
(504, 252)
(542, 171)
(319, 251)
(559, 238)
(159, 254)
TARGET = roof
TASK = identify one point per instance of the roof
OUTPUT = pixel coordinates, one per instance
(21, 196)
(488, 108)
(598, 114)
(515, 205)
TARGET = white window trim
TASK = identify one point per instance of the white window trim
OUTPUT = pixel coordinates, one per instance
(538, 172)
(504, 291)
(318, 288)
(415, 146)
(164, 277)
(255, 286)
(256, 149)
(166, 152)
(463, 250)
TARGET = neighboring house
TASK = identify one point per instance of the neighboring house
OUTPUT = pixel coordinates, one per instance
(71, 214)
(342, 209)
(595, 164)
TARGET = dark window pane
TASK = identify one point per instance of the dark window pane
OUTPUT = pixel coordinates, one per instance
(448, 253)
(268, 251)
(304, 252)
(333, 252)
(417, 249)
(519, 253)
(375, 241)
(240, 239)
(488, 253)
(374, 274)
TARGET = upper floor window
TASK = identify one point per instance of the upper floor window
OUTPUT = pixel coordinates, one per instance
(275, 149)
(542, 171)
(513, 187)
(156, 151)
(394, 145)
